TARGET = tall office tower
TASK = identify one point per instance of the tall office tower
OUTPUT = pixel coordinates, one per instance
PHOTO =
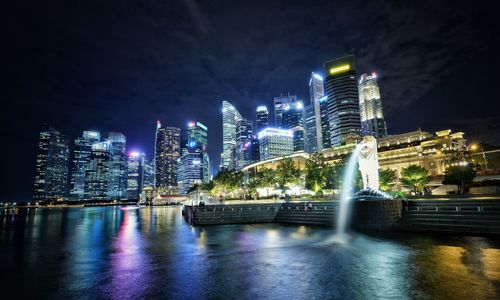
(279, 105)
(197, 142)
(97, 174)
(325, 122)
(230, 118)
(316, 92)
(79, 163)
(275, 142)
(293, 119)
(255, 149)
(149, 174)
(343, 100)
(190, 171)
(135, 181)
(262, 120)
(311, 145)
(118, 168)
(370, 107)
(167, 152)
(51, 169)
(243, 143)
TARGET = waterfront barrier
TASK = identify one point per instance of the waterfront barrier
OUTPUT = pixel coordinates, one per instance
(458, 216)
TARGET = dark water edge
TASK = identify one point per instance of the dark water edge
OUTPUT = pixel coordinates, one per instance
(107, 252)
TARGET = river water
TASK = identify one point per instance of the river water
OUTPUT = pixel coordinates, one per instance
(107, 252)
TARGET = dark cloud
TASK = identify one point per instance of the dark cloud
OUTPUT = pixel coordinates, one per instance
(120, 66)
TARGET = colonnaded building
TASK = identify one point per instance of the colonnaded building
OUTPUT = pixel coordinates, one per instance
(395, 152)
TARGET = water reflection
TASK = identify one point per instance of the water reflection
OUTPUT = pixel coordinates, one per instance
(152, 252)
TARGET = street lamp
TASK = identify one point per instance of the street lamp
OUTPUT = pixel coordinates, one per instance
(479, 147)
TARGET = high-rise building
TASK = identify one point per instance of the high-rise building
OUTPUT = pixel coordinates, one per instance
(135, 182)
(97, 174)
(325, 122)
(279, 105)
(343, 100)
(243, 143)
(255, 149)
(230, 118)
(262, 120)
(51, 169)
(316, 92)
(293, 119)
(197, 142)
(167, 153)
(149, 174)
(80, 160)
(275, 142)
(190, 171)
(370, 107)
(118, 169)
(310, 129)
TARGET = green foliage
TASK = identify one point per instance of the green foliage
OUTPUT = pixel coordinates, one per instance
(387, 177)
(415, 177)
(287, 174)
(316, 173)
(461, 176)
(226, 182)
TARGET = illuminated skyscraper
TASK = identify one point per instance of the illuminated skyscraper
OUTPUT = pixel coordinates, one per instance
(118, 169)
(293, 119)
(243, 143)
(197, 142)
(97, 174)
(135, 180)
(279, 105)
(370, 106)
(310, 129)
(190, 171)
(230, 118)
(316, 92)
(262, 120)
(79, 163)
(167, 152)
(275, 142)
(51, 170)
(343, 100)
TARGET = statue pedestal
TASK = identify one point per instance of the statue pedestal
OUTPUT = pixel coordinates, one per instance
(376, 213)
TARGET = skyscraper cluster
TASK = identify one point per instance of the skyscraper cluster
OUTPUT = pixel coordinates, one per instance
(181, 163)
(341, 109)
(90, 168)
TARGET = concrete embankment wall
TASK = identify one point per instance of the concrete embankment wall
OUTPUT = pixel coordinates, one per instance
(321, 213)
(461, 216)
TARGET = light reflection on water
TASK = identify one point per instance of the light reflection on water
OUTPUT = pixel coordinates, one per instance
(128, 254)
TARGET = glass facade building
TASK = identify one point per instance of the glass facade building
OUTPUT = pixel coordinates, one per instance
(275, 142)
(80, 161)
(167, 152)
(244, 132)
(97, 175)
(370, 107)
(280, 103)
(262, 120)
(293, 119)
(135, 181)
(341, 88)
(118, 169)
(230, 118)
(51, 168)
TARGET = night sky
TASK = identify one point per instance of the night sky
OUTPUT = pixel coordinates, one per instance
(122, 65)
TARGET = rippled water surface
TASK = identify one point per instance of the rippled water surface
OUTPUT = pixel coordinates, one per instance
(106, 252)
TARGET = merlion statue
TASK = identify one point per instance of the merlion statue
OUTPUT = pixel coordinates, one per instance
(368, 163)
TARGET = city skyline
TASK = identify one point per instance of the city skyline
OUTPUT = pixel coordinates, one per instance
(97, 104)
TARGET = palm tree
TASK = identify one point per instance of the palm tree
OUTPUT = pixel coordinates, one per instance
(387, 177)
(415, 176)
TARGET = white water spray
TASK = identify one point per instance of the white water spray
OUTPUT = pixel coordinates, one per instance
(348, 181)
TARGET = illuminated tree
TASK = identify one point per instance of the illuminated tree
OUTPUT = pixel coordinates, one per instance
(387, 177)
(415, 177)
(461, 176)
(316, 174)
(287, 174)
